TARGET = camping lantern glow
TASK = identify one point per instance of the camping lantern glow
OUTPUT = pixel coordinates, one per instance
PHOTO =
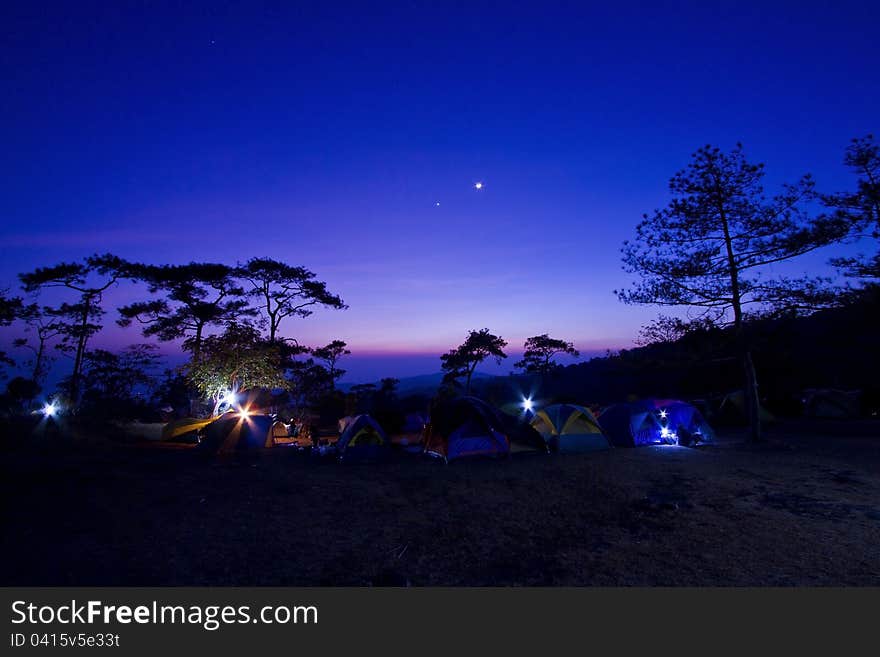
(668, 436)
(528, 405)
(49, 409)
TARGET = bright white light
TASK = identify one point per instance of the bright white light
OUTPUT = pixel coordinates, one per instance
(478, 185)
(49, 409)
(528, 404)
(244, 413)
(663, 413)
(228, 397)
(664, 432)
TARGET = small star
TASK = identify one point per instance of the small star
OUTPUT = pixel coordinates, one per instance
(478, 185)
(437, 204)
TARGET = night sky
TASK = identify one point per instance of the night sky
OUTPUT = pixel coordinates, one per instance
(326, 135)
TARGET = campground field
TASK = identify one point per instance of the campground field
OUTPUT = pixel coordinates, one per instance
(803, 509)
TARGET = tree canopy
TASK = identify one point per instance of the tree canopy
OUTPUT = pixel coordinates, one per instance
(711, 248)
(463, 360)
(238, 359)
(330, 354)
(112, 375)
(540, 351)
(665, 329)
(283, 290)
(196, 296)
(10, 308)
(860, 209)
(78, 321)
(42, 323)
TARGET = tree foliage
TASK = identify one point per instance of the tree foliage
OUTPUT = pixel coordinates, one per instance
(666, 329)
(190, 303)
(10, 308)
(114, 376)
(21, 392)
(196, 296)
(43, 324)
(283, 290)
(540, 351)
(238, 359)
(712, 246)
(78, 321)
(331, 353)
(308, 381)
(861, 209)
(463, 360)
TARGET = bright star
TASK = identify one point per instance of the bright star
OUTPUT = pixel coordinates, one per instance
(478, 185)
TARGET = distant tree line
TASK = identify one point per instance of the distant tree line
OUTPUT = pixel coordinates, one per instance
(539, 356)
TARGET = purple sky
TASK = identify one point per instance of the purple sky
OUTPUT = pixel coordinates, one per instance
(325, 137)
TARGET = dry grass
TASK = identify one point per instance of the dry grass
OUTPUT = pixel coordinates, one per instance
(803, 510)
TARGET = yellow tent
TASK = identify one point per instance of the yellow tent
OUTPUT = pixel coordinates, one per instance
(569, 428)
(178, 428)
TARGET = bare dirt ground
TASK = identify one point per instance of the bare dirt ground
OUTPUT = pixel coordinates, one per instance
(801, 510)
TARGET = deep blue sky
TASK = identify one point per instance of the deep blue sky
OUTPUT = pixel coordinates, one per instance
(325, 135)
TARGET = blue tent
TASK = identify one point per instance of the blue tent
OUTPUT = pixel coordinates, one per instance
(654, 422)
(362, 440)
(569, 428)
(466, 426)
(235, 431)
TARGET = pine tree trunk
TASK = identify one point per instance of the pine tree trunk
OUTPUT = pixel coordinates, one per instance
(194, 400)
(80, 353)
(38, 362)
(750, 392)
(272, 330)
(752, 399)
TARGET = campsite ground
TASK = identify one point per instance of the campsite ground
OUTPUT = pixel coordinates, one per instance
(802, 510)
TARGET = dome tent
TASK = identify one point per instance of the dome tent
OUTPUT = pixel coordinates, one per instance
(654, 422)
(569, 428)
(521, 435)
(466, 426)
(411, 437)
(414, 423)
(732, 410)
(362, 439)
(236, 431)
(830, 403)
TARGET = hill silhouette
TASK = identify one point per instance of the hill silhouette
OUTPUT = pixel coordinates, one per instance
(834, 348)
